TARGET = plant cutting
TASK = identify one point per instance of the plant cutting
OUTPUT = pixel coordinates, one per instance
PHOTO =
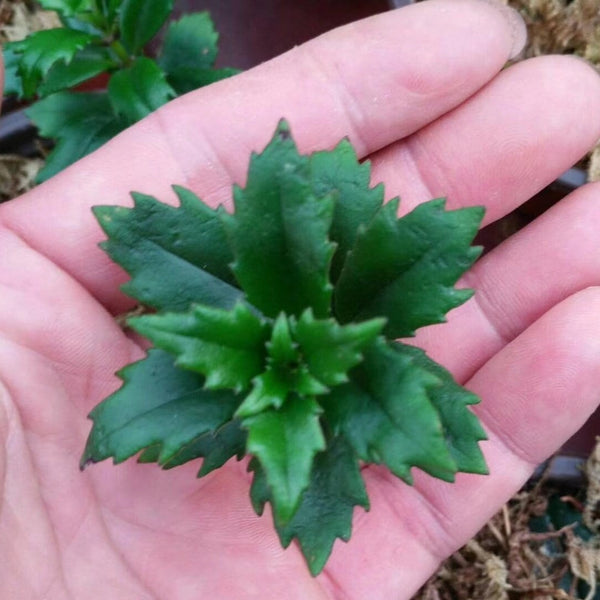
(274, 333)
(106, 37)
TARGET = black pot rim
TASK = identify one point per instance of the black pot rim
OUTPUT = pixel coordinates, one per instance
(562, 470)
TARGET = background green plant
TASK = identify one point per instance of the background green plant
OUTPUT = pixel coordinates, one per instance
(106, 36)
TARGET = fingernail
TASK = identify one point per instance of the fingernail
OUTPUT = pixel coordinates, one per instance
(516, 23)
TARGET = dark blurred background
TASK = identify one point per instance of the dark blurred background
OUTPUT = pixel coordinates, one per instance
(252, 32)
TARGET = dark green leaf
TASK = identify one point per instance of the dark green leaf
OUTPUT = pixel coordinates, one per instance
(275, 385)
(188, 53)
(215, 447)
(139, 90)
(281, 347)
(87, 63)
(325, 511)
(150, 454)
(285, 442)
(284, 374)
(285, 266)
(140, 20)
(338, 172)
(227, 347)
(187, 79)
(331, 350)
(462, 429)
(190, 42)
(189, 49)
(165, 248)
(158, 406)
(386, 414)
(269, 390)
(79, 122)
(405, 269)
(12, 79)
(43, 49)
(259, 490)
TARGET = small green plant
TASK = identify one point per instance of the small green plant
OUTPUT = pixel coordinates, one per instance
(106, 36)
(274, 332)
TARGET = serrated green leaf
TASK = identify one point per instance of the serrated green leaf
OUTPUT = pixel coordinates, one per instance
(175, 255)
(462, 429)
(405, 269)
(340, 173)
(227, 347)
(189, 42)
(325, 512)
(386, 414)
(188, 54)
(275, 385)
(158, 406)
(79, 122)
(331, 350)
(327, 505)
(43, 49)
(285, 442)
(284, 268)
(281, 347)
(307, 358)
(12, 79)
(87, 63)
(149, 454)
(140, 20)
(269, 390)
(259, 490)
(216, 448)
(285, 374)
(137, 91)
(189, 51)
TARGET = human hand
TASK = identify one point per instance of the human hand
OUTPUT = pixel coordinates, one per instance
(419, 92)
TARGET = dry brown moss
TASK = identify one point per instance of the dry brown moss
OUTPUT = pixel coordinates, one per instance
(17, 175)
(561, 27)
(564, 27)
(509, 561)
(19, 18)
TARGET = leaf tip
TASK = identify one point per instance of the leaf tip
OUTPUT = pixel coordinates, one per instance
(392, 205)
(478, 211)
(283, 131)
(138, 198)
(85, 462)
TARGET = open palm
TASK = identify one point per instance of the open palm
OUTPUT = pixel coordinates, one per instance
(417, 91)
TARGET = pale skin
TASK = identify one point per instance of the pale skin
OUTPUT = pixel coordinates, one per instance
(441, 121)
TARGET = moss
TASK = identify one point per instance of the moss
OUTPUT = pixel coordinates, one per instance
(561, 27)
(544, 544)
(564, 27)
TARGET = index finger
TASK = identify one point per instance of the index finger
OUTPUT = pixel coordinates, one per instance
(375, 81)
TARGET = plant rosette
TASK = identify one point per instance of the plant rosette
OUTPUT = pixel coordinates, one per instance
(274, 332)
